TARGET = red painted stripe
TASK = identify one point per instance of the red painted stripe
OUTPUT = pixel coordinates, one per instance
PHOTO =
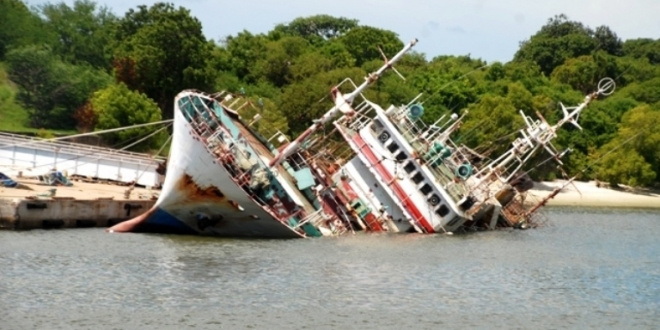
(395, 186)
(349, 190)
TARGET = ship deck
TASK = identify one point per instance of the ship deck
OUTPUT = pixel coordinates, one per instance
(265, 152)
(443, 175)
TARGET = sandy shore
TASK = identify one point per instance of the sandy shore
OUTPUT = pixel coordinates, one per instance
(589, 194)
(80, 190)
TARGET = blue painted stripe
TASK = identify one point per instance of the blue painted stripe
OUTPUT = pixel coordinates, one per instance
(162, 221)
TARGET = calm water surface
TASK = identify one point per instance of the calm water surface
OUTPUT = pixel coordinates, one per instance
(586, 269)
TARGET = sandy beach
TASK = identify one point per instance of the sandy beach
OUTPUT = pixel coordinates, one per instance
(589, 194)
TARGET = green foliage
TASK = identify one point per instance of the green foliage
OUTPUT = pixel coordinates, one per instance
(300, 101)
(363, 42)
(19, 27)
(244, 50)
(117, 106)
(50, 89)
(270, 119)
(161, 50)
(316, 29)
(633, 156)
(647, 91)
(625, 166)
(83, 33)
(13, 117)
(561, 39)
(648, 49)
(275, 65)
(490, 124)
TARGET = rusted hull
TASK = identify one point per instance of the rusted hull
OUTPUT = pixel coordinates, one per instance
(199, 196)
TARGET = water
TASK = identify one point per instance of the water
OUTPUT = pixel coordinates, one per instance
(586, 269)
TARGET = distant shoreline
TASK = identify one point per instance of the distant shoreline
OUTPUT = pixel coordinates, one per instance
(588, 194)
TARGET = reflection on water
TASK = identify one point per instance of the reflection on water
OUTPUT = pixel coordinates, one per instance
(587, 268)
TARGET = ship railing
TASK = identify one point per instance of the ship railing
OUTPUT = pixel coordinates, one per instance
(364, 114)
(517, 211)
(232, 101)
(315, 218)
(204, 121)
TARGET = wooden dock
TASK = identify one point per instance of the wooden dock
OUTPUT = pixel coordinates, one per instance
(35, 205)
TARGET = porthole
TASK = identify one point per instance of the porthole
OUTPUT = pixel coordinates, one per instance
(434, 200)
(383, 137)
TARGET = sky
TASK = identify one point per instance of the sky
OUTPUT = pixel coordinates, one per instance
(488, 29)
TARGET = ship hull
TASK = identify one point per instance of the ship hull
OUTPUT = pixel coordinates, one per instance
(199, 196)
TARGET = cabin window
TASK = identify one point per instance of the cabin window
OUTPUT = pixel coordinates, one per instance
(392, 147)
(376, 126)
(410, 167)
(443, 210)
(417, 178)
(426, 189)
(401, 156)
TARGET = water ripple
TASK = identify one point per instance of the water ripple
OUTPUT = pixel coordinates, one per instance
(589, 268)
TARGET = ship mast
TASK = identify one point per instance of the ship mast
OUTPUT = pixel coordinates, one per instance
(541, 134)
(342, 104)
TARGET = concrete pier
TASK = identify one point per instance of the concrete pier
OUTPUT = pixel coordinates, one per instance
(37, 205)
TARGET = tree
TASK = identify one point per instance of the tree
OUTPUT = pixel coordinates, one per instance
(83, 32)
(51, 89)
(581, 73)
(271, 119)
(363, 43)
(643, 48)
(647, 91)
(490, 123)
(300, 101)
(19, 27)
(608, 41)
(558, 40)
(245, 49)
(316, 28)
(275, 65)
(633, 156)
(161, 51)
(117, 106)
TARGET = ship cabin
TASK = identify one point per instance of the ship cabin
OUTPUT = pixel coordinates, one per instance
(416, 165)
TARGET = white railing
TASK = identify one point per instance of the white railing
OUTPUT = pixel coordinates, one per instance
(34, 156)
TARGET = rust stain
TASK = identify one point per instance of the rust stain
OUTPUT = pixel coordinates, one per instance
(194, 191)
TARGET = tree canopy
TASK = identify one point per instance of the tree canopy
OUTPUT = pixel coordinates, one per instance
(61, 60)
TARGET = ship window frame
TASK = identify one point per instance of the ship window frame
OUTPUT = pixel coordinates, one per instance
(443, 210)
(417, 178)
(401, 156)
(426, 189)
(376, 126)
(410, 167)
(392, 147)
